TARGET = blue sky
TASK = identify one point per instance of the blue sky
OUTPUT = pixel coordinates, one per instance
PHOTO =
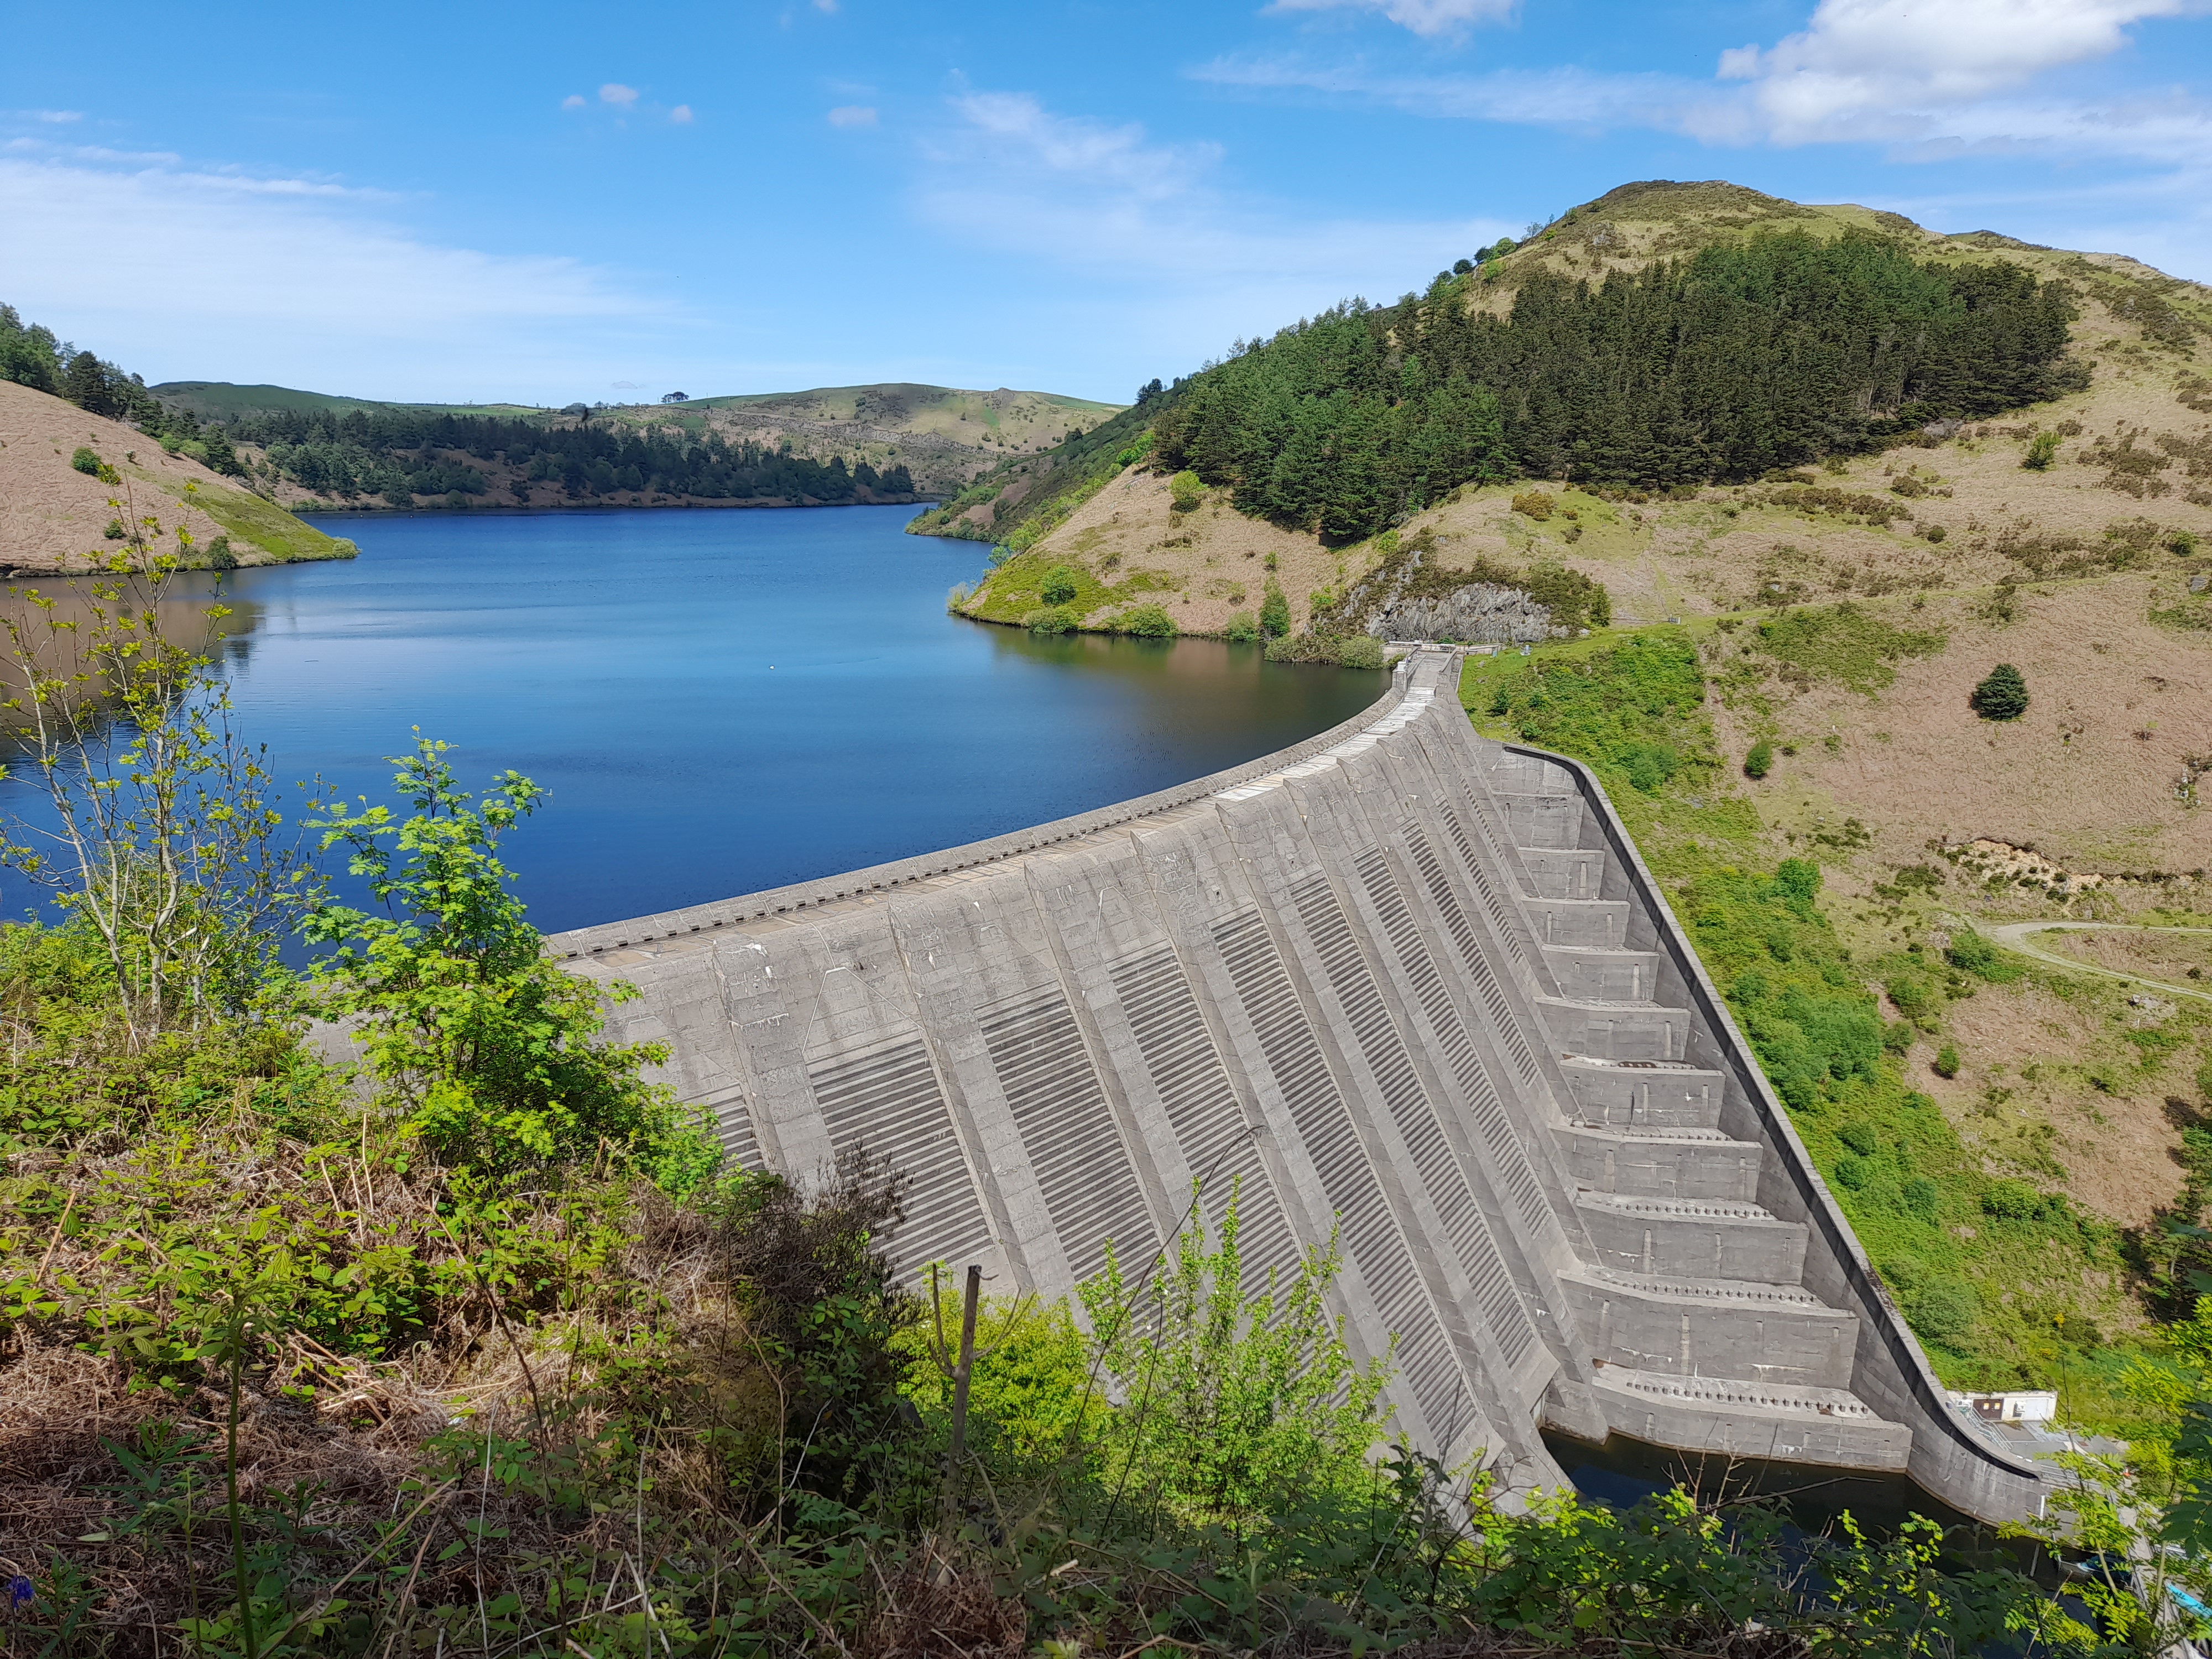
(470, 201)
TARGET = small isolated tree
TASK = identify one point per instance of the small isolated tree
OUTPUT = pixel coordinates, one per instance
(1275, 611)
(1945, 1063)
(1231, 1402)
(2042, 450)
(485, 1048)
(1760, 761)
(2002, 696)
(1060, 585)
(1242, 628)
(1185, 491)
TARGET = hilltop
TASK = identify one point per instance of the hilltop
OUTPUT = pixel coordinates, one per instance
(58, 514)
(935, 438)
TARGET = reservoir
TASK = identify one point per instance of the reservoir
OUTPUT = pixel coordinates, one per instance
(722, 701)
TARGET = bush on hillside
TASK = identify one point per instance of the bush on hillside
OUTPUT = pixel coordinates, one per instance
(2042, 450)
(1061, 583)
(1051, 619)
(1274, 609)
(1534, 504)
(86, 461)
(1185, 491)
(2002, 694)
(1147, 622)
(1946, 1061)
(1970, 951)
(1242, 627)
(1760, 761)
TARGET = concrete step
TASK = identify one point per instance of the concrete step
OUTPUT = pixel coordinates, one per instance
(1552, 820)
(1625, 1094)
(1559, 873)
(1599, 922)
(1744, 1330)
(1529, 774)
(1589, 974)
(1691, 1238)
(1654, 1163)
(1727, 1417)
(1616, 1030)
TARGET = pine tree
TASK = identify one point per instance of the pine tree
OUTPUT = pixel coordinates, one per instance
(2002, 696)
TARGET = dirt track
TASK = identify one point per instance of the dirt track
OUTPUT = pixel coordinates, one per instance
(2017, 936)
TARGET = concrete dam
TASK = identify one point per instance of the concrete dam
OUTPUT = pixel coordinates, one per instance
(1399, 983)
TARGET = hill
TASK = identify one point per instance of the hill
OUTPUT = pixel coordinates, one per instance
(55, 516)
(1828, 607)
(936, 438)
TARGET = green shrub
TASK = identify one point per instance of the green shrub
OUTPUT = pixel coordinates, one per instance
(1060, 585)
(1534, 504)
(1274, 609)
(1945, 1063)
(1923, 1197)
(86, 462)
(220, 557)
(1944, 1309)
(1050, 619)
(1185, 491)
(1859, 1135)
(2042, 450)
(2002, 696)
(1360, 651)
(1909, 995)
(2011, 1201)
(1147, 621)
(115, 531)
(1975, 954)
(2182, 544)
(1852, 1172)
(1650, 765)
(1242, 628)
(1760, 761)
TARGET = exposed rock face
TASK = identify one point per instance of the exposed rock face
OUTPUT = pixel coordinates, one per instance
(1481, 613)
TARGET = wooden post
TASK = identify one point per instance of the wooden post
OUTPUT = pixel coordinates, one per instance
(961, 1373)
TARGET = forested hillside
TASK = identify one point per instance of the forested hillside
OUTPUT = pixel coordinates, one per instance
(394, 456)
(1720, 367)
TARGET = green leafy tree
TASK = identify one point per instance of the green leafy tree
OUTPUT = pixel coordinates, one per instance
(163, 836)
(1147, 622)
(477, 1039)
(1275, 611)
(1230, 1402)
(1185, 491)
(1760, 761)
(2042, 450)
(1061, 583)
(2002, 694)
(1242, 627)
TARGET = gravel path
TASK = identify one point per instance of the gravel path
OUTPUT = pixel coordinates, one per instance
(2019, 936)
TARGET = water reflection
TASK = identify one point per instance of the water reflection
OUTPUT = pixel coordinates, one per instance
(722, 701)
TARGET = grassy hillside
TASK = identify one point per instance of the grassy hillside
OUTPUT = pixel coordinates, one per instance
(941, 435)
(220, 400)
(60, 512)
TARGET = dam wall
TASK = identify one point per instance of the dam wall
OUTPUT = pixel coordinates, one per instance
(1398, 987)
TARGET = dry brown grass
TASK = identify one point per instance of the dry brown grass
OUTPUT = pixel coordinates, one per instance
(52, 517)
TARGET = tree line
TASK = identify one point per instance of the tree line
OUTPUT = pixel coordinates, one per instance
(1721, 366)
(400, 453)
(31, 355)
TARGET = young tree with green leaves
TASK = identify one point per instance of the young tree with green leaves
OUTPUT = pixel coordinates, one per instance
(487, 1050)
(2002, 694)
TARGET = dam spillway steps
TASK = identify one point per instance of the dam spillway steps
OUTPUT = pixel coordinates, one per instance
(1401, 987)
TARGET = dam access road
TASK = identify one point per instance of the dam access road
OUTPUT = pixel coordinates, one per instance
(1397, 982)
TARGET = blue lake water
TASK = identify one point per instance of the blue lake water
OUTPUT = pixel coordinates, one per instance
(722, 701)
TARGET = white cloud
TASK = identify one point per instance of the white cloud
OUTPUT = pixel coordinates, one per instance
(181, 273)
(620, 96)
(852, 115)
(1427, 17)
(51, 117)
(680, 115)
(1857, 61)
(825, 5)
(1142, 225)
(573, 101)
(1924, 78)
